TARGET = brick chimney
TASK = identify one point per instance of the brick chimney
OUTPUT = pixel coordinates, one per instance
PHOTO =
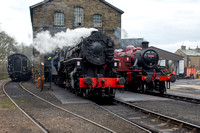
(197, 49)
(183, 47)
(145, 44)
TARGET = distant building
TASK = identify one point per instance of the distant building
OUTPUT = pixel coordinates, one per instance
(191, 56)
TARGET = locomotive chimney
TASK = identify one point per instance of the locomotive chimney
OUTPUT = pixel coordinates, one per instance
(145, 44)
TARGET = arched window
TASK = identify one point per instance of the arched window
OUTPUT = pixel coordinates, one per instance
(78, 16)
(97, 22)
(59, 19)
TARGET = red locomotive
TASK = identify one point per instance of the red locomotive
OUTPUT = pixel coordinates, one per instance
(141, 70)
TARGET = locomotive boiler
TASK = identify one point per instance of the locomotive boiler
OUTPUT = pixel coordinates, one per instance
(87, 68)
(19, 67)
(141, 70)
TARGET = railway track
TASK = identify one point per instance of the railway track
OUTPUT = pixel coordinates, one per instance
(182, 98)
(149, 120)
(42, 127)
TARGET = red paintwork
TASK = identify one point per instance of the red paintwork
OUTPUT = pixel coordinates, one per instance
(161, 78)
(109, 82)
(124, 63)
(129, 77)
(129, 51)
(126, 57)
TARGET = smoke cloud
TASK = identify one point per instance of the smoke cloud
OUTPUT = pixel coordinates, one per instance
(45, 43)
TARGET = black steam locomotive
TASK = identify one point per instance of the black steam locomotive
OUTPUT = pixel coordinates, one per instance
(141, 70)
(19, 67)
(87, 68)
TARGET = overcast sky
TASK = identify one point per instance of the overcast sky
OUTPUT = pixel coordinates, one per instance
(166, 24)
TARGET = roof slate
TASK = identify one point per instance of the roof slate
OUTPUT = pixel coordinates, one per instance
(166, 55)
(190, 52)
(103, 1)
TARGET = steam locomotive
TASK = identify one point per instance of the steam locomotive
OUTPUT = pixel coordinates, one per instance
(19, 67)
(87, 68)
(140, 68)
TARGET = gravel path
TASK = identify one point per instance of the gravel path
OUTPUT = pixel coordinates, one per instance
(12, 120)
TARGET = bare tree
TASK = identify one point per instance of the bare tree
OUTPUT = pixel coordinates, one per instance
(7, 46)
(26, 50)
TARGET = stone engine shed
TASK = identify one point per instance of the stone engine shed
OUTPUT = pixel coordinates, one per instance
(59, 15)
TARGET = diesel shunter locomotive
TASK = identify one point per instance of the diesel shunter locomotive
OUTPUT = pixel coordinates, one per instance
(141, 70)
(87, 68)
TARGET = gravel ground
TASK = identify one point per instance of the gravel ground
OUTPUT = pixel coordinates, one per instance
(181, 110)
(12, 120)
(53, 119)
(88, 110)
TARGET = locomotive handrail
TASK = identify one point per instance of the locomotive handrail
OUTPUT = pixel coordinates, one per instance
(72, 60)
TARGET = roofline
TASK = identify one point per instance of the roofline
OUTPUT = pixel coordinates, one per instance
(110, 5)
(188, 54)
(166, 51)
(38, 4)
(120, 11)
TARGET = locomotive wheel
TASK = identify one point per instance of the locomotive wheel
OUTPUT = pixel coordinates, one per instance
(85, 93)
(143, 88)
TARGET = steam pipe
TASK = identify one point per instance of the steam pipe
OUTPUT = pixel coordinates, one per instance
(136, 62)
(97, 81)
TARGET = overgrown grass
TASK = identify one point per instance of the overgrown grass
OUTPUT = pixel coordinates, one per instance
(6, 105)
(4, 76)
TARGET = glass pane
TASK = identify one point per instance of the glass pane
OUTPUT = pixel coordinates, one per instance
(59, 19)
(78, 16)
(97, 21)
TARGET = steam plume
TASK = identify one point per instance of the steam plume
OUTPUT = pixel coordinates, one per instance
(45, 43)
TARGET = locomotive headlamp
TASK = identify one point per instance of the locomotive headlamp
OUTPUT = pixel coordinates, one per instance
(78, 64)
(121, 81)
(88, 81)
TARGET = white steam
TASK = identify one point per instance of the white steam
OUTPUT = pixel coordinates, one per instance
(45, 43)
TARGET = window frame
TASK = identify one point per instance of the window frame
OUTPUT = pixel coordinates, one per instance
(59, 19)
(97, 20)
(78, 12)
